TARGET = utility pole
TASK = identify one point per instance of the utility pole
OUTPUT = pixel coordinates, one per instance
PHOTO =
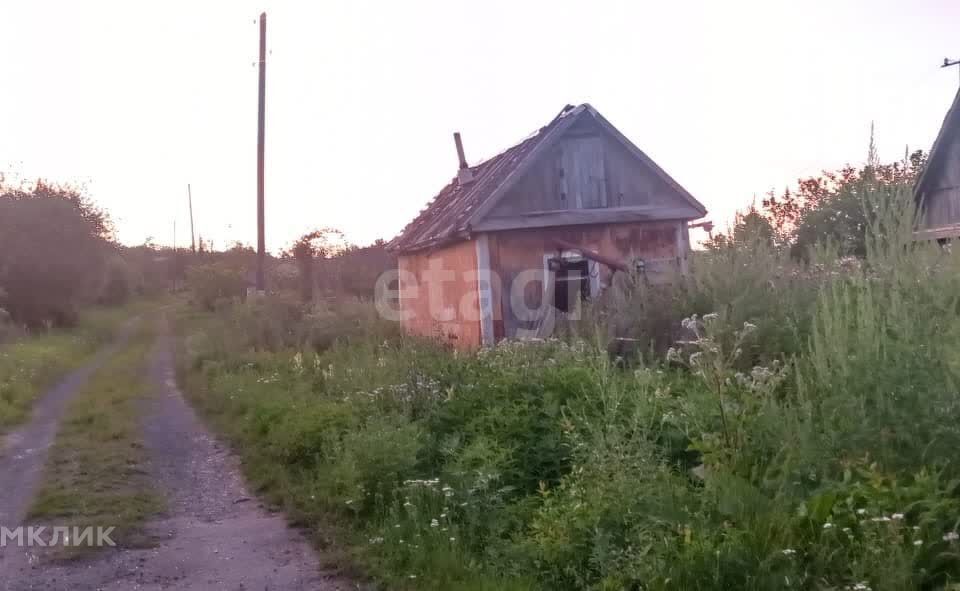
(947, 63)
(193, 242)
(175, 261)
(261, 242)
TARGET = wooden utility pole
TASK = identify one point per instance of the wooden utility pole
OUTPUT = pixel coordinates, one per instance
(193, 242)
(261, 242)
(175, 261)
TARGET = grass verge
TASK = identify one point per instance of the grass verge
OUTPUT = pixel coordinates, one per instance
(29, 364)
(95, 473)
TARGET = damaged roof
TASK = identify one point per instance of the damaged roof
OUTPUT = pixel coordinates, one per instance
(456, 209)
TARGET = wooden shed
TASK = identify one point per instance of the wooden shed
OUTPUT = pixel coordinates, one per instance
(518, 239)
(938, 189)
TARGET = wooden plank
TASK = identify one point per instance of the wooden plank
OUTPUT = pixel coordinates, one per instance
(951, 231)
(592, 255)
(485, 291)
(573, 217)
(682, 246)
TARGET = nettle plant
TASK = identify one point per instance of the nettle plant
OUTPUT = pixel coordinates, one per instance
(711, 353)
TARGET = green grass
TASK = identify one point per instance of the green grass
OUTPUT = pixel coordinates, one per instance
(95, 472)
(803, 434)
(32, 363)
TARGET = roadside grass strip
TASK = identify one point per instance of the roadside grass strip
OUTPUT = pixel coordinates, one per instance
(95, 475)
(29, 364)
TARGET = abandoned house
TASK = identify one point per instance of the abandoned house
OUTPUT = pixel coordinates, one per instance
(938, 189)
(518, 239)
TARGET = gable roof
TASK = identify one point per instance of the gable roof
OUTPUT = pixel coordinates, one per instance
(938, 153)
(457, 208)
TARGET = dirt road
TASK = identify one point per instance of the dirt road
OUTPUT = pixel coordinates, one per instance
(213, 535)
(24, 451)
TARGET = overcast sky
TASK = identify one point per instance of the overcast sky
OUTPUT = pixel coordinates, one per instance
(137, 99)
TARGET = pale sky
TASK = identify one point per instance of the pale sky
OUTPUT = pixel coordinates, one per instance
(137, 99)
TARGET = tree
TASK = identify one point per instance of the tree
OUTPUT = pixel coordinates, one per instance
(54, 244)
(837, 206)
(749, 228)
(322, 243)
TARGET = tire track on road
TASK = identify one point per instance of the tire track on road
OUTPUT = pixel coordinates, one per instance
(24, 451)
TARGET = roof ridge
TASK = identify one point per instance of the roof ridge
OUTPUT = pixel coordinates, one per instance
(451, 212)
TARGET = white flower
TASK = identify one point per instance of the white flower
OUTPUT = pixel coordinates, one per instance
(827, 525)
(897, 516)
(917, 542)
(434, 523)
(788, 552)
(452, 539)
(951, 537)
(710, 317)
(861, 511)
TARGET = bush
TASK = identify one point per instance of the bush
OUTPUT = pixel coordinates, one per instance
(213, 282)
(53, 247)
(8, 330)
(116, 290)
(802, 435)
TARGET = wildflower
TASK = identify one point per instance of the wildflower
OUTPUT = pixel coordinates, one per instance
(917, 542)
(788, 551)
(861, 586)
(349, 501)
(376, 540)
(434, 523)
(897, 516)
(827, 525)
(689, 323)
(412, 576)
(673, 355)
(846, 530)
(710, 317)
(452, 539)
(749, 327)
(951, 537)
(861, 511)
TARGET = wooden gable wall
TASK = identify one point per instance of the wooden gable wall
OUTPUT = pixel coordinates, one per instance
(587, 169)
(941, 196)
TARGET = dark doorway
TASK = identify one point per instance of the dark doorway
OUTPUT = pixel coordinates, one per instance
(571, 283)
